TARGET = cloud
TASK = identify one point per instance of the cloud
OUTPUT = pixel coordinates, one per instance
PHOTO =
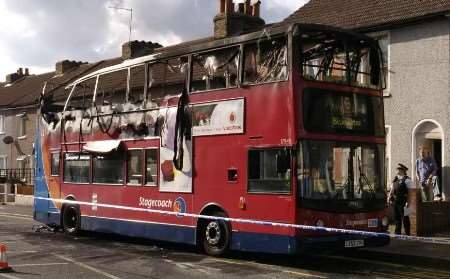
(37, 34)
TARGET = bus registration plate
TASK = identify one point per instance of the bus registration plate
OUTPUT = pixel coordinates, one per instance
(354, 243)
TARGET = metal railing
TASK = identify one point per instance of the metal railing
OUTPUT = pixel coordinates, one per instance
(17, 176)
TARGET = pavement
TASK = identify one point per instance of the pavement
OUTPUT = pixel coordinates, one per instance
(53, 255)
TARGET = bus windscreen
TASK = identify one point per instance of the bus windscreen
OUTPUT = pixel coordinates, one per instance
(342, 113)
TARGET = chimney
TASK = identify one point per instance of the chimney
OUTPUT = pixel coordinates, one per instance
(247, 8)
(135, 49)
(27, 72)
(10, 78)
(229, 6)
(233, 22)
(256, 8)
(241, 7)
(63, 66)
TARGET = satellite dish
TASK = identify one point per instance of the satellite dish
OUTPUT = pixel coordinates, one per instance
(8, 140)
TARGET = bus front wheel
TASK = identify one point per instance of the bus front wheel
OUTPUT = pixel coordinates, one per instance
(71, 220)
(215, 235)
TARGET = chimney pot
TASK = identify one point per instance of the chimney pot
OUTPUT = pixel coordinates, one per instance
(237, 22)
(247, 8)
(27, 72)
(20, 71)
(229, 6)
(256, 9)
(222, 6)
(241, 7)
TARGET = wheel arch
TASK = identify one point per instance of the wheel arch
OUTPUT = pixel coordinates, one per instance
(207, 210)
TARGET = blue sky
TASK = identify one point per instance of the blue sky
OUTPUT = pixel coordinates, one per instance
(37, 34)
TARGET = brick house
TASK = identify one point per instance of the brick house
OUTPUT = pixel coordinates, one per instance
(19, 102)
(415, 38)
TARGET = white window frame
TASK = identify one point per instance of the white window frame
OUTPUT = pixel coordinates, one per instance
(2, 125)
(388, 154)
(5, 158)
(22, 125)
(387, 34)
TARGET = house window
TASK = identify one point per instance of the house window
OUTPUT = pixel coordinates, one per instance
(269, 171)
(76, 168)
(134, 167)
(2, 124)
(384, 41)
(55, 164)
(22, 125)
(151, 167)
(3, 165)
(108, 168)
(388, 154)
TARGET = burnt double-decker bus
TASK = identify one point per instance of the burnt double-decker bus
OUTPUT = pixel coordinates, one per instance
(283, 125)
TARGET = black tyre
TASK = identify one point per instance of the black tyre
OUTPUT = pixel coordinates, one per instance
(215, 235)
(71, 220)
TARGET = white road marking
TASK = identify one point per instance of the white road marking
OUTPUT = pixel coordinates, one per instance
(21, 252)
(9, 276)
(363, 261)
(15, 214)
(38, 264)
(15, 217)
(87, 267)
(272, 268)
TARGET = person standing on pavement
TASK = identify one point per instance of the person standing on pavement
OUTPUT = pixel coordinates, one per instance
(398, 196)
(426, 169)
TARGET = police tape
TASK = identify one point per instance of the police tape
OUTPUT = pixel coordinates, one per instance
(256, 222)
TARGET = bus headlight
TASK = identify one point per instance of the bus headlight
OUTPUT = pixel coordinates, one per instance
(385, 221)
(320, 223)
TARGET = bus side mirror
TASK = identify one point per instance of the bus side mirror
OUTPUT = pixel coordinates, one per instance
(375, 66)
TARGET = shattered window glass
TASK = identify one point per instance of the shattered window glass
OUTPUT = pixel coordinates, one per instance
(82, 95)
(340, 58)
(215, 70)
(265, 61)
(137, 83)
(112, 88)
(167, 79)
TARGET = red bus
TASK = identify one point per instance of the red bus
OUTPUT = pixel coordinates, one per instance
(284, 125)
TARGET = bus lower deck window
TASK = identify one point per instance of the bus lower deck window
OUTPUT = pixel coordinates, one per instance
(108, 168)
(76, 168)
(134, 167)
(151, 167)
(269, 171)
(55, 164)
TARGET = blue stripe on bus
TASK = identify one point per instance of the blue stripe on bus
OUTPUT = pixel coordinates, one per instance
(164, 232)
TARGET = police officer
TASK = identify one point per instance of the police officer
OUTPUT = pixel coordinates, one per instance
(398, 196)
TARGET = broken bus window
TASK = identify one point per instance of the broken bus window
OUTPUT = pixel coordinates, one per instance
(265, 61)
(215, 69)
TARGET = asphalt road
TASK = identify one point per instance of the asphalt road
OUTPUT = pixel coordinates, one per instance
(53, 255)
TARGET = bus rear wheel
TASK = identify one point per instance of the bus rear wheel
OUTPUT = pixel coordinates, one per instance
(71, 219)
(215, 235)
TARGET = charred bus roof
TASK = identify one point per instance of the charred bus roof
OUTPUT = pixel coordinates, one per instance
(186, 48)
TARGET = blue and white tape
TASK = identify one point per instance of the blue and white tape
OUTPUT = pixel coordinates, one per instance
(256, 222)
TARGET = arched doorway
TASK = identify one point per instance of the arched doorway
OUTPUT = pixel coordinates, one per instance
(429, 133)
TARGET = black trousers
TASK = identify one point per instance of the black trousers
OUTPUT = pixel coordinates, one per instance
(399, 214)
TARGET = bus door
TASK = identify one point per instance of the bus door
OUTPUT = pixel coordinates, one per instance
(269, 194)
